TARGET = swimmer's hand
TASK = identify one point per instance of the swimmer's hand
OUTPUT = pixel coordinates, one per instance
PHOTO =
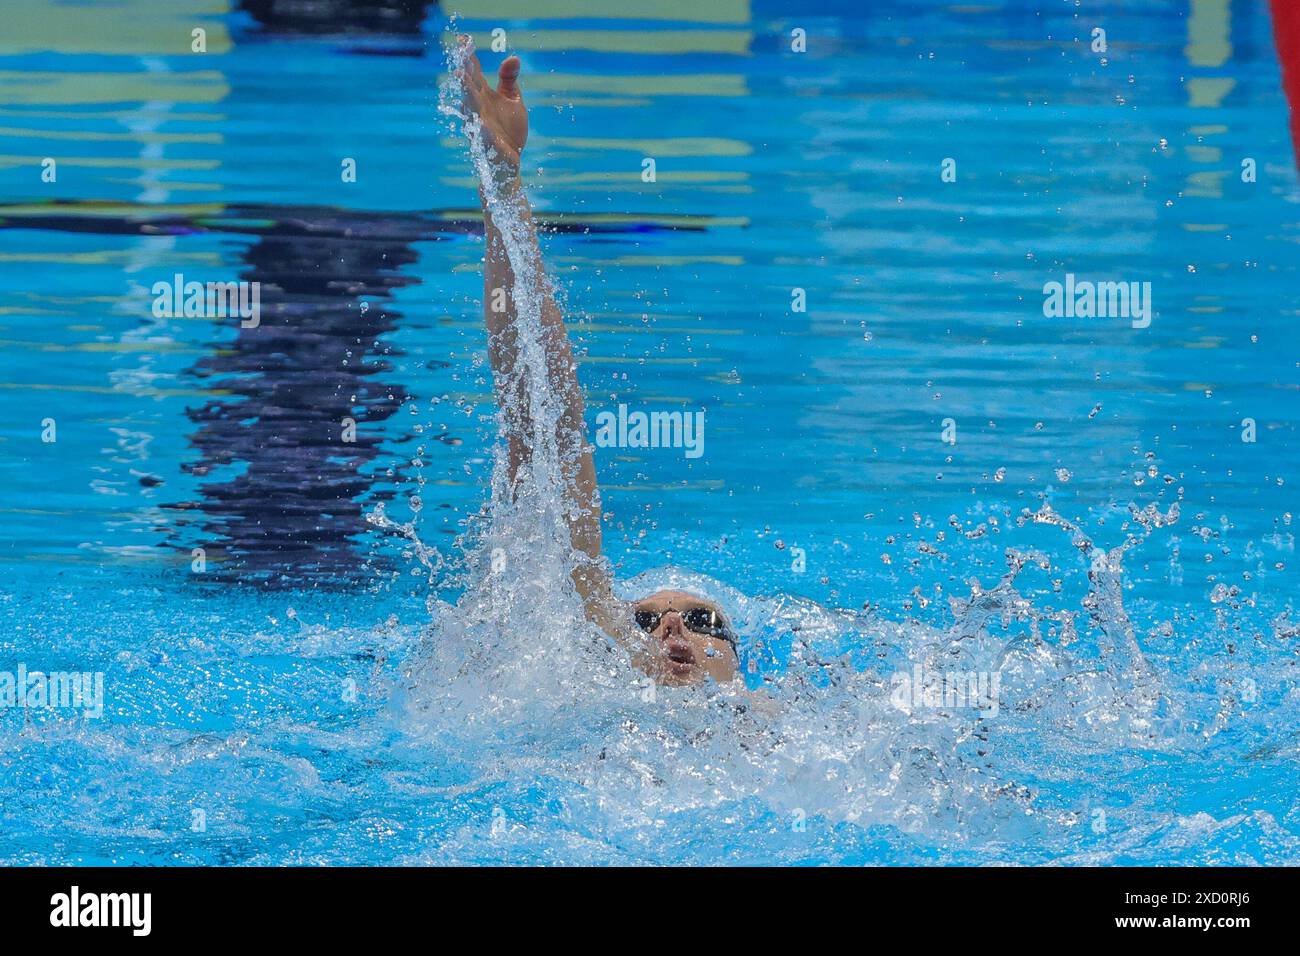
(501, 111)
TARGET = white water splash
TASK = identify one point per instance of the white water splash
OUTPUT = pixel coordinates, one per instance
(520, 694)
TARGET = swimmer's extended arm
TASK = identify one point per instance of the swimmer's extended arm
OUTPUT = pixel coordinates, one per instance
(584, 499)
(505, 130)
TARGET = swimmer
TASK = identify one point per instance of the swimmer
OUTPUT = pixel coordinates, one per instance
(675, 637)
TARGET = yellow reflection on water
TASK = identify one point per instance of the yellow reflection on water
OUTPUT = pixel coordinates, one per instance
(112, 210)
(675, 146)
(681, 84)
(94, 136)
(33, 87)
(710, 11)
(1209, 47)
(150, 346)
(103, 257)
(124, 27)
(135, 391)
(1208, 25)
(732, 42)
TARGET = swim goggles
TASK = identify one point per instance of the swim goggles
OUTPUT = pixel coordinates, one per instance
(701, 620)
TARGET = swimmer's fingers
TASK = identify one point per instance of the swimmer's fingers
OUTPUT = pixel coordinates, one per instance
(508, 78)
(504, 119)
(511, 112)
(471, 75)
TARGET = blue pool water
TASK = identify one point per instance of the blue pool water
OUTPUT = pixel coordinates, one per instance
(327, 688)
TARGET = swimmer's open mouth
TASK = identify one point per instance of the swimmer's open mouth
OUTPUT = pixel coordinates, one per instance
(680, 657)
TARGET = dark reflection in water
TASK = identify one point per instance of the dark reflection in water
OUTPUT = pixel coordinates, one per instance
(399, 17)
(307, 388)
(282, 497)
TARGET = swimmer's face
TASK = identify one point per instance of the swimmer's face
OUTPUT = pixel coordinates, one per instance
(683, 651)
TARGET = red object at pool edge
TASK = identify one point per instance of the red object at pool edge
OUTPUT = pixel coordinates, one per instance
(1286, 30)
